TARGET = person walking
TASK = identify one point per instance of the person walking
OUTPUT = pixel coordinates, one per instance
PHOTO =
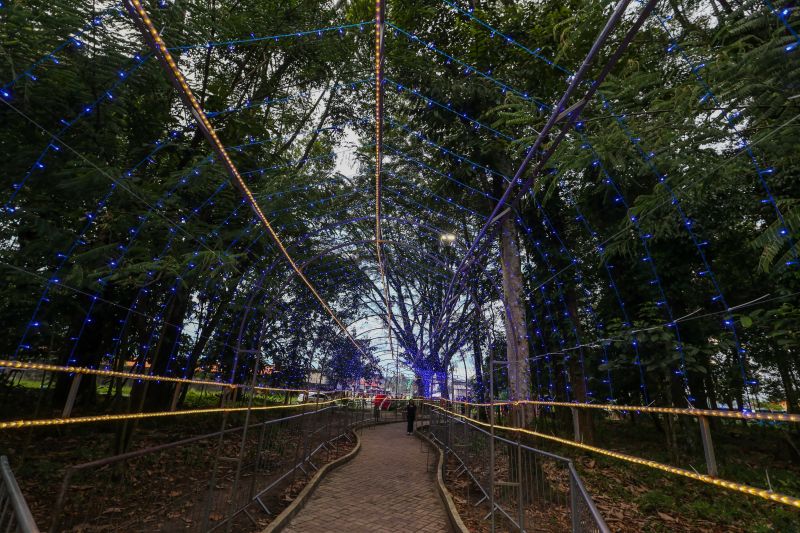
(411, 415)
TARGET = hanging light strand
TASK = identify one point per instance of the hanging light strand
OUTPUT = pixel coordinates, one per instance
(151, 34)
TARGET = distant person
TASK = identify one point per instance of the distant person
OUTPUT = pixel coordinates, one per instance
(379, 403)
(411, 415)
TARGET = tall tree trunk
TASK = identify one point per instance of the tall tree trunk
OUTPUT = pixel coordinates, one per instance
(420, 383)
(577, 375)
(443, 390)
(672, 388)
(517, 349)
(202, 341)
(156, 396)
(477, 352)
(94, 332)
(788, 386)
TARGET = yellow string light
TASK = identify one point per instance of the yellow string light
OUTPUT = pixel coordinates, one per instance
(16, 424)
(730, 485)
(136, 10)
(19, 365)
(719, 413)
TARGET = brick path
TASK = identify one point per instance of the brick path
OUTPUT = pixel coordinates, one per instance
(385, 488)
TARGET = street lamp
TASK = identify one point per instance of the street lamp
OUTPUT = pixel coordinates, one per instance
(447, 239)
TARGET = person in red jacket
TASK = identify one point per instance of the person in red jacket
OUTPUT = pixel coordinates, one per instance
(379, 403)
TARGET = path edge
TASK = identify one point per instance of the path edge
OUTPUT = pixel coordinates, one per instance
(283, 519)
(456, 523)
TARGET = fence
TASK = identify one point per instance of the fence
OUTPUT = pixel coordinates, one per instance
(392, 410)
(14, 513)
(524, 486)
(233, 479)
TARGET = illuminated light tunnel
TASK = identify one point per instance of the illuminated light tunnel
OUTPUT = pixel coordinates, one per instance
(247, 245)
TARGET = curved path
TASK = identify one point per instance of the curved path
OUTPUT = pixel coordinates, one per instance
(386, 488)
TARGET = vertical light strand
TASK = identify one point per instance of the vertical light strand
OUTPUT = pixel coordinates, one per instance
(380, 11)
(151, 35)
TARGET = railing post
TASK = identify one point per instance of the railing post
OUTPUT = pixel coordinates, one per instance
(573, 503)
(447, 430)
(521, 487)
(73, 393)
(176, 396)
(19, 518)
(576, 424)
(708, 446)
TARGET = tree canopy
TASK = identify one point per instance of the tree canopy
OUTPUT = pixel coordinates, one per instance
(654, 259)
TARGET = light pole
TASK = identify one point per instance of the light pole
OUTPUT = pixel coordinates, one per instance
(446, 240)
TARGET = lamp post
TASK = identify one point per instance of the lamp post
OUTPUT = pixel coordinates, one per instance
(446, 240)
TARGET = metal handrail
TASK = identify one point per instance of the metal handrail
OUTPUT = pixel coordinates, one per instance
(595, 512)
(14, 512)
(584, 515)
(72, 470)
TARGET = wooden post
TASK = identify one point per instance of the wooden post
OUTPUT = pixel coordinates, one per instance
(176, 396)
(708, 446)
(234, 395)
(576, 424)
(73, 393)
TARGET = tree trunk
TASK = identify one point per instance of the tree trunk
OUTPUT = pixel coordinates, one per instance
(477, 352)
(420, 383)
(156, 396)
(577, 378)
(788, 387)
(514, 317)
(671, 434)
(697, 387)
(209, 326)
(94, 331)
(443, 388)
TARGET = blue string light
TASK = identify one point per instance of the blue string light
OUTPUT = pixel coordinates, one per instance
(318, 32)
(783, 16)
(549, 230)
(531, 300)
(727, 323)
(431, 102)
(463, 160)
(51, 57)
(227, 252)
(447, 107)
(114, 263)
(53, 144)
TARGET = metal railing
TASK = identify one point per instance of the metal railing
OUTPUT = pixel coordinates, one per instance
(524, 487)
(222, 481)
(236, 478)
(393, 410)
(14, 513)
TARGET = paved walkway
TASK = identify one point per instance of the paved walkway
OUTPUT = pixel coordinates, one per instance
(385, 488)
